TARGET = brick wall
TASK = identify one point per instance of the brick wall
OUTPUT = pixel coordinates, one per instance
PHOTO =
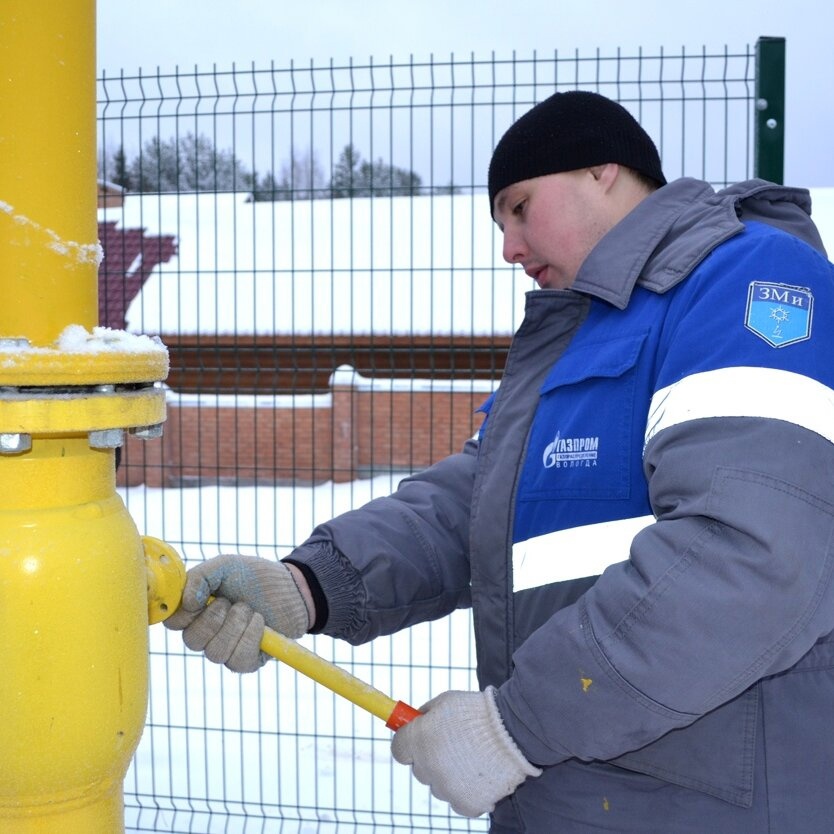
(358, 428)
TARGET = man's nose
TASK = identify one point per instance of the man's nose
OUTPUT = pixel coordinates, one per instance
(513, 248)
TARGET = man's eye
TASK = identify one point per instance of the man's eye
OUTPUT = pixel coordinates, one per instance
(518, 208)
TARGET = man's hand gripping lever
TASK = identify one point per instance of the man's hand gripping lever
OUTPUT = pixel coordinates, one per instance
(242, 610)
(247, 594)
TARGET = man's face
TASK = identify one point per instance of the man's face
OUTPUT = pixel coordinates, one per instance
(551, 223)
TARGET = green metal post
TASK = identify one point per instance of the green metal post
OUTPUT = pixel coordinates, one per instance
(769, 156)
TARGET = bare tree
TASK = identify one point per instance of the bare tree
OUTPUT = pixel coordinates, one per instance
(301, 179)
(190, 163)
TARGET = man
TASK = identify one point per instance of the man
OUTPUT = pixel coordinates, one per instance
(644, 527)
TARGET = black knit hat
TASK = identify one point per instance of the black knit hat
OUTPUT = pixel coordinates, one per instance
(569, 131)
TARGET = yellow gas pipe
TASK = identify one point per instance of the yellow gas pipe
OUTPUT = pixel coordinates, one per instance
(73, 575)
(78, 585)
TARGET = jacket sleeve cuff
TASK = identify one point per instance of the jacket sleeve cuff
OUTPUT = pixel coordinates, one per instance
(335, 585)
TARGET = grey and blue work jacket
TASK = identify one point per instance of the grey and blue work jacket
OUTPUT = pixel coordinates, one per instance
(644, 529)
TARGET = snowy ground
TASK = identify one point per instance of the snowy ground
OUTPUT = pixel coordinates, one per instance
(273, 751)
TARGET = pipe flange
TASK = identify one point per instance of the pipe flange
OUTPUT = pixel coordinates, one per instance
(166, 578)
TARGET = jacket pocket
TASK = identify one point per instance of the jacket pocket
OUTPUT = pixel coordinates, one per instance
(584, 433)
(713, 755)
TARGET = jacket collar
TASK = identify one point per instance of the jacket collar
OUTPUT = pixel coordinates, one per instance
(668, 234)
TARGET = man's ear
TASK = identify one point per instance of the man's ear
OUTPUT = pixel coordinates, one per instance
(605, 174)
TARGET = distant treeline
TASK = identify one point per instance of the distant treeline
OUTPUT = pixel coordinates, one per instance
(193, 163)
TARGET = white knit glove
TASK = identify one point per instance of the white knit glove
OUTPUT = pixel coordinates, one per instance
(462, 751)
(250, 593)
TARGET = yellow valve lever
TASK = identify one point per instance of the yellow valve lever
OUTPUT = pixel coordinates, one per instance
(166, 580)
(394, 713)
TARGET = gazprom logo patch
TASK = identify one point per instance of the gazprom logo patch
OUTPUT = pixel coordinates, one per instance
(569, 452)
(780, 314)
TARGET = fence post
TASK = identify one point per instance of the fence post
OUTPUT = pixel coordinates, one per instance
(345, 411)
(769, 155)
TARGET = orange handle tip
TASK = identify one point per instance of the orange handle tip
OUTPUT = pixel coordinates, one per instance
(401, 715)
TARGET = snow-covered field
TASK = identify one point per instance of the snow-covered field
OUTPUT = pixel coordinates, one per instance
(274, 751)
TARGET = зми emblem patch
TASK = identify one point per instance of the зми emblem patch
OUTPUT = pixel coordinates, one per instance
(779, 313)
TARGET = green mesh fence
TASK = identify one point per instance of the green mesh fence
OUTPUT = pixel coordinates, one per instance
(313, 244)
